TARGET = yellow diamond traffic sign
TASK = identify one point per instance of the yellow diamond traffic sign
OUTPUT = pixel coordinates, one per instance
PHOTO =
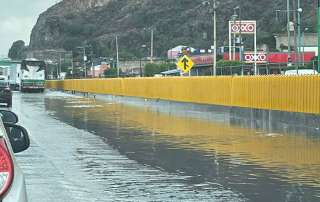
(185, 64)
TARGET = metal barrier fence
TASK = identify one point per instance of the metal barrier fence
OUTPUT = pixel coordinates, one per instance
(283, 93)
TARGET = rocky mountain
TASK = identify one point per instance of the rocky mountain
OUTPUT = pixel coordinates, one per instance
(73, 23)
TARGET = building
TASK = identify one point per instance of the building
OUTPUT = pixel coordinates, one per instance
(309, 42)
(176, 52)
(98, 70)
(5, 65)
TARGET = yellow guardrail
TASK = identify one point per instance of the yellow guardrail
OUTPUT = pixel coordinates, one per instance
(284, 93)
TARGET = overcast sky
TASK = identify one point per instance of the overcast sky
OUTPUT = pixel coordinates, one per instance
(17, 17)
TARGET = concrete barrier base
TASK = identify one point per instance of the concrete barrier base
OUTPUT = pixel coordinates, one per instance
(265, 120)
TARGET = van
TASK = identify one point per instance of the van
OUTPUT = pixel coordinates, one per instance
(301, 72)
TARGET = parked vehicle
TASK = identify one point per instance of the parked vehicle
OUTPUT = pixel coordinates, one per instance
(15, 73)
(13, 139)
(32, 75)
(5, 91)
(301, 72)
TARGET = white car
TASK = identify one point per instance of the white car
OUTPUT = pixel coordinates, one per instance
(301, 72)
(13, 139)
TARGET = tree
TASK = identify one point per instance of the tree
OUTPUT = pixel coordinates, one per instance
(112, 72)
(313, 63)
(151, 68)
(18, 50)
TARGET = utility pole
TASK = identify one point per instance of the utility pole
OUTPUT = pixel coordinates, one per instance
(84, 62)
(240, 34)
(59, 74)
(303, 44)
(289, 33)
(84, 59)
(72, 65)
(213, 11)
(299, 10)
(234, 37)
(117, 49)
(152, 41)
(93, 73)
(214, 71)
(295, 36)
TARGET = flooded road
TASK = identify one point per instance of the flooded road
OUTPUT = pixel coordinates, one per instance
(94, 150)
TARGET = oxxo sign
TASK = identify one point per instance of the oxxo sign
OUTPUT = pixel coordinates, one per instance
(249, 27)
(244, 27)
(260, 57)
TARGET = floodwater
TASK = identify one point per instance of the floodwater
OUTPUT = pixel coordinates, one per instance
(105, 150)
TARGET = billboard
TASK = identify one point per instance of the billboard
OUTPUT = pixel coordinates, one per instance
(277, 57)
(243, 27)
(259, 57)
(202, 59)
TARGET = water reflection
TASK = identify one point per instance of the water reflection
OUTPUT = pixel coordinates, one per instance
(263, 166)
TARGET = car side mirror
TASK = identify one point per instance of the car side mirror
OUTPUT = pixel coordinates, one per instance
(8, 117)
(18, 137)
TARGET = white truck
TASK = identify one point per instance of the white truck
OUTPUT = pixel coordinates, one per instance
(32, 75)
(14, 76)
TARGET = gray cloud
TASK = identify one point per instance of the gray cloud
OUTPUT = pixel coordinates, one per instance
(17, 17)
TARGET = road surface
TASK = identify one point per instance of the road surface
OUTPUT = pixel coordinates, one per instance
(84, 149)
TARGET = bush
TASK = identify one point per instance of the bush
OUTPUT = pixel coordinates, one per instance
(313, 63)
(151, 68)
(225, 63)
(112, 73)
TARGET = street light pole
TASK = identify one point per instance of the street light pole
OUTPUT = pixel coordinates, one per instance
(117, 49)
(214, 38)
(93, 72)
(84, 59)
(84, 62)
(299, 10)
(240, 34)
(57, 71)
(59, 65)
(72, 64)
(152, 41)
(234, 49)
(142, 48)
(289, 32)
(213, 3)
(303, 44)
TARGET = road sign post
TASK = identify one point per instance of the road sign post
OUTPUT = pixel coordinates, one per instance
(244, 27)
(230, 41)
(255, 52)
(185, 64)
(214, 70)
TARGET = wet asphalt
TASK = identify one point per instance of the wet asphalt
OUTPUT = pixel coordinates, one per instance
(84, 149)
